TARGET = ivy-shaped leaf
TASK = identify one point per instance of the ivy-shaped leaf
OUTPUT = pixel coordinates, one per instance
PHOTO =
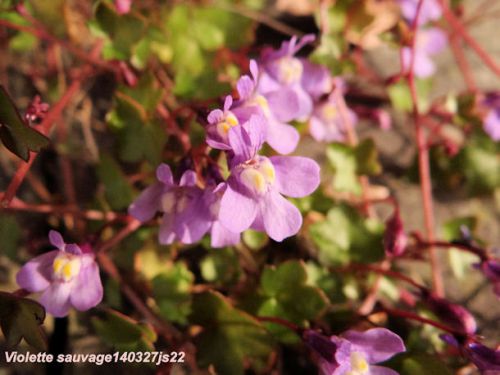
(172, 293)
(124, 333)
(346, 236)
(286, 295)
(22, 318)
(231, 340)
(15, 134)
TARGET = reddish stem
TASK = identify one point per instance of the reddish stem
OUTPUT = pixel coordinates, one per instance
(462, 63)
(423, 164)
(281, 322)
(418, 318)
(458, 28)
(381, 271)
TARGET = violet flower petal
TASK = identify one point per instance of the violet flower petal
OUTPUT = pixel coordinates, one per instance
(147, 203)
(237, 211)
(56, 239)
(87, 291)
(36, 274)
(296, 176)
(56, 298)
(377, 344)
(280, 217)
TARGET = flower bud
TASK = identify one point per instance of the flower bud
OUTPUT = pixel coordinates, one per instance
(395, 239)
(455, 316)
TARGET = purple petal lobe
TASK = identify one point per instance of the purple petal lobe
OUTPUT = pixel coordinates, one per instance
(296, 176)
(282, 137)
(280, 217)
(284, 104)
(147, 203)
(245, 87)
(56, 239)
(36, 275)
(237, 211)
(56, 298)
(164, 174)
(87, 291)
(166, 234)
(221, 237)
(377, 344)
(188, 178)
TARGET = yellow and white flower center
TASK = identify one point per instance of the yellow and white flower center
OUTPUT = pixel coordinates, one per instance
(329, 111)
(359, 365)
(174, 201)
(289, 70)
(263, 104)
(66, 266)
(258, 176)
(223, 127)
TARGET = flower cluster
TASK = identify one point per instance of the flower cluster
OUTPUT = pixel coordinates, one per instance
(355, 352)
(66, 277)
(280, 88)
(428, 40)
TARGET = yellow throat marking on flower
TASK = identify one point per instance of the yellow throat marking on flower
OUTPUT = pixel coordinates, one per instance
(359, 365)
(329, 111)
(263, 104)
(257, 178)
(225, 125)
(290, 70)
(66, 266)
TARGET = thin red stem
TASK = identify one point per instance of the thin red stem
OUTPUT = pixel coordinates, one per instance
(281, 322)
(424, 165)
(458, 28)
(418, 318)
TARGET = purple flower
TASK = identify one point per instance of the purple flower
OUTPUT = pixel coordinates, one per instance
(283, 70)
(327, 123)
(492, 119)
(277, 107)
(67, 277)
(428, 42)
(253, 194)
(219, 124)
(185, 216)
(355, 352)
(430, 11)
(395, 238)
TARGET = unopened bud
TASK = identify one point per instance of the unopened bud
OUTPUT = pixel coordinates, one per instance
(455, 316)
(395, 239)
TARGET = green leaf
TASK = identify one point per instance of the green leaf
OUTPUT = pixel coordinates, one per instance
(255, 240)
(420, 364)
(481, 164)
(287, 295)
(367, 158)
(342, 159)
(10, 234)
(124, 333)
(221, 267)
(346, 236)
(171, 290)
(124, 31)
(15, 134)
(231, 340)
(22, 318)
(117, 190)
